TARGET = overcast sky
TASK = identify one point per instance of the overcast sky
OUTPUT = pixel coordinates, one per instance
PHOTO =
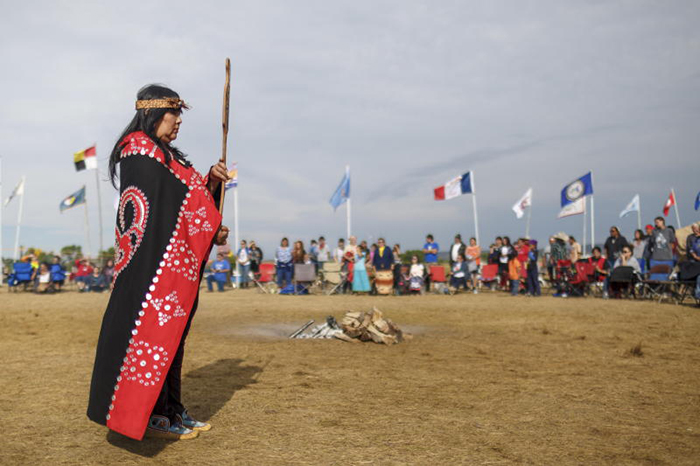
(409, 94)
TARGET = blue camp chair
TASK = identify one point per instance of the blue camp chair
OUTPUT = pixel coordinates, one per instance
(659, 271)
(57, 273)
(21, 275)
(658, 285)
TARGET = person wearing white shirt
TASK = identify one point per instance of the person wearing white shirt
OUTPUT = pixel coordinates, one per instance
(243, 258)
(43, 284)
(339, 251)
(459, 273)
(323, 252)
(458, 248)
(351, 248)
(417, 275)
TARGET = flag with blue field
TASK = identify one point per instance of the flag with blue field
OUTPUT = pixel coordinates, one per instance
(342, 192)
(73, 200)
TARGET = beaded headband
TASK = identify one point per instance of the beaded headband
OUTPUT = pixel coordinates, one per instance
(169, 102)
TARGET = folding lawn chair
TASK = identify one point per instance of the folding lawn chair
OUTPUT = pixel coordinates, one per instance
(265, 278)
(403, 280)
(622, 281)
(332, 276)
(658, 286)
(437, 277)
(304, 278)
(21, 275)
(687, 280)
(564, 276)
(489, 274)
(580, 281)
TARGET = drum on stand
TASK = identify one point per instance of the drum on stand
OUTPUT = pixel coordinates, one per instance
(384, 281)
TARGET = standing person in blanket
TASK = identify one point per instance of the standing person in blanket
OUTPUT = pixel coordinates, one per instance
(167, 223)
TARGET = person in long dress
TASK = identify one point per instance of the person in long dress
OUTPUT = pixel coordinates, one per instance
(360, 281)
(417, 274)
(167, 224)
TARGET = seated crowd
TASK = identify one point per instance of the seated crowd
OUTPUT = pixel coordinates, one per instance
(618, 268)
(514, 267)
(624, 267)
(45, 277)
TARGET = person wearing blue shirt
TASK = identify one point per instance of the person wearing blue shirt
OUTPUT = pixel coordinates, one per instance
(283, 261)
(220, 268)
(430, 249)
(96, 282)
(692, 248)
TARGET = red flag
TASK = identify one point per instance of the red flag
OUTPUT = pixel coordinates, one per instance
(670, 203)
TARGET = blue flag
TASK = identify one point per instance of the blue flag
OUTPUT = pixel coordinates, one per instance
(697, 201)
(576, 190)
(73, 200)
(342, 192)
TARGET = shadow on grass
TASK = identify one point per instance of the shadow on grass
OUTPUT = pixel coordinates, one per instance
(210, 387)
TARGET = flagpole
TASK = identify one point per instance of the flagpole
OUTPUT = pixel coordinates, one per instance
(88, 246)
(348, 211)
(675, 207)
(639, 214)
(99, 206)
(527, 221)
(592, 224)
(476, 216)
(592, 218)
(2, 264)
(19, 219)
(585, 221)
(235, 234)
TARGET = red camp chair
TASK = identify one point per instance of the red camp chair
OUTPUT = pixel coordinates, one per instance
(579, 282)
(265, 277)
(437, 275)
(564, 275)
(589, 271)
(489, 274)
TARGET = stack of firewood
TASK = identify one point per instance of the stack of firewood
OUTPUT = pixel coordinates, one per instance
(370, 326)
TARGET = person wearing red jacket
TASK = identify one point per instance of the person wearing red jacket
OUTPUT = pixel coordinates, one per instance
(82, 273)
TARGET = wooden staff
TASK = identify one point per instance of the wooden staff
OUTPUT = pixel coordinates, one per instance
(224, 127)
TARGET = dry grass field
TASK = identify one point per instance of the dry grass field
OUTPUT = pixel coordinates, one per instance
(487, 379)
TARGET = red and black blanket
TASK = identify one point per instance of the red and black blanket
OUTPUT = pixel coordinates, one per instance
(166, 223)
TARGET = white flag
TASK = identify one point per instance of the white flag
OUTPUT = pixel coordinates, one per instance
(453, 188)
(523, 203)
(633, 206)
(18, 191)
(575, 208)
(91, 163)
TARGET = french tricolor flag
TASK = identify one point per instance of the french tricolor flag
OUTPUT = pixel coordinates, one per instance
(455, 187)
